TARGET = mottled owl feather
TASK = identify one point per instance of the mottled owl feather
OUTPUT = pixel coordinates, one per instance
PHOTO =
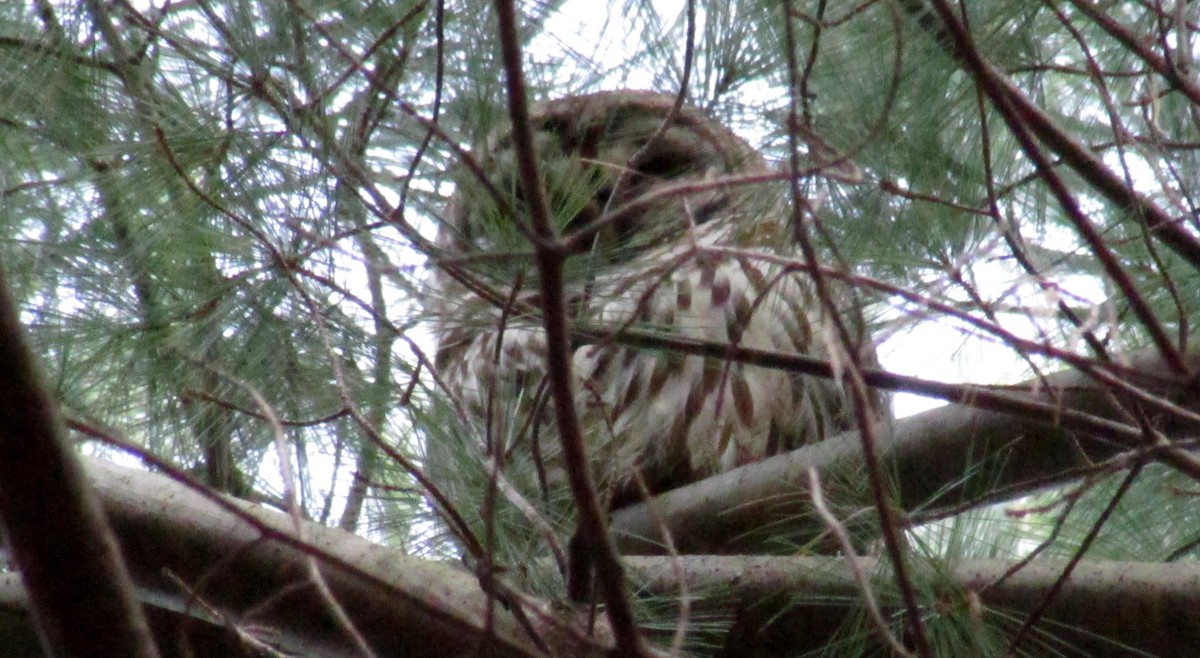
(688, 262)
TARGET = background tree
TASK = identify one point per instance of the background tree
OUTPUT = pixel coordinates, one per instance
(218, 217)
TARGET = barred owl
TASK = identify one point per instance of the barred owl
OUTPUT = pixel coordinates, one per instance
(672, 247)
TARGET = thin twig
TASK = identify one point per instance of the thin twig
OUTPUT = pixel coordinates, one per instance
(1036, 616)
(1025, 120)
(889, 524)
(850, 556)
(550, 256)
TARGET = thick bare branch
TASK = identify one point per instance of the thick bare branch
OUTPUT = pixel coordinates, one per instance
(1106, 609)
(247, 564)
(929, 455)
(406, 606)
(78, 586)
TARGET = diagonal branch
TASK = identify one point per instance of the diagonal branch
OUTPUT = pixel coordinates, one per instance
(550, 256)
(56, 533)
(1025, 120)
(248, 564)
(1077, 156)
(929, 455)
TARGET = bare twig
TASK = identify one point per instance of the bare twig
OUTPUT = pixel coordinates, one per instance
(888, 521)
(853, 563)
(1026, 120)
(1065, 574)
(550, 256)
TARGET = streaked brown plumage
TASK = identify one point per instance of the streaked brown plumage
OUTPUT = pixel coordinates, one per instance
(702, 264)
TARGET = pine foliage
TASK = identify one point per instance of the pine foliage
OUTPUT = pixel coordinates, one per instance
(218, 223)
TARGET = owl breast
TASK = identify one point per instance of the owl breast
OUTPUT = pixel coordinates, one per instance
(679, 418)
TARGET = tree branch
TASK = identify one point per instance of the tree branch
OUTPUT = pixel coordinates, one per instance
(952, 34)
(248, 567)
(930, 456)
(79, 589)
(550, 256)
(1106, 609)
(246, 563)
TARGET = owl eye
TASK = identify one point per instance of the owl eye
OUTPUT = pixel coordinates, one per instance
(614, 240)
(663, 165)
(632, 234)
(580, 162)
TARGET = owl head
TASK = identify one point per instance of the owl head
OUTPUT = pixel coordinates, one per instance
(625, 173)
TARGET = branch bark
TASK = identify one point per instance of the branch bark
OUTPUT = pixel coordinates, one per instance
(929, 455)
(177, 636)
(1105, 609)
(79, 590)
(247, 563)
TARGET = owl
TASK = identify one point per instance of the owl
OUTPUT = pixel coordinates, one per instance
(674, 235)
